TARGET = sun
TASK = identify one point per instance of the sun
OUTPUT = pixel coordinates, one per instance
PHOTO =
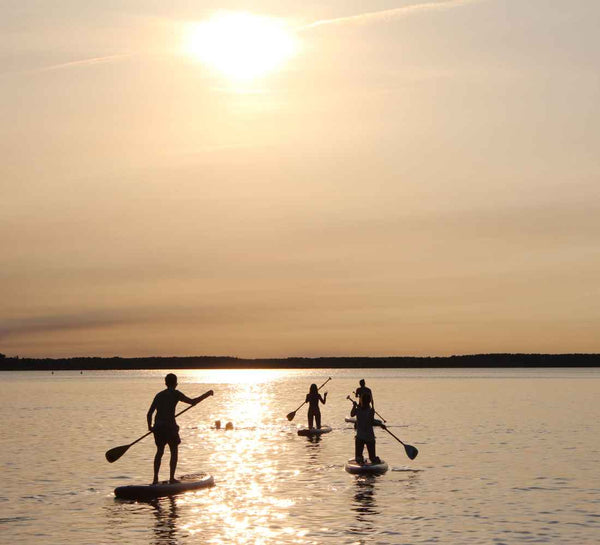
(240, 45)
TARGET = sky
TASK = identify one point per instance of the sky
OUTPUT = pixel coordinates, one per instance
(280, 178)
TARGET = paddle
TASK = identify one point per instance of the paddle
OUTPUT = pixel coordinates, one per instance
(290, 416)
(411, 451)
(382, 419)
(114, 454)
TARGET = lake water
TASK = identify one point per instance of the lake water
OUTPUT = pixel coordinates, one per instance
(505, 456)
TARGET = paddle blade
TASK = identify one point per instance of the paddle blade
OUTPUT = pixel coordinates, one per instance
(290, 416)
(411, 451)
(114, 454)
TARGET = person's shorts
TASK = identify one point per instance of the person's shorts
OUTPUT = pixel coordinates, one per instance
(166, 435)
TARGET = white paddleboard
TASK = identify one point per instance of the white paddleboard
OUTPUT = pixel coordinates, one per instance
(352, 466)
(352, 420)
(310, 432)
(150, 491)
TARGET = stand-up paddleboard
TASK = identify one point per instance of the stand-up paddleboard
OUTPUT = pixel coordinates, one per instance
(151, 491)
(311, 432)
(352, 420)
(352, 466)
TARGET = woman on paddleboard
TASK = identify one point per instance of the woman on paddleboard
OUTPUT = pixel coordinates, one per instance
(314, 413)
(365, 419)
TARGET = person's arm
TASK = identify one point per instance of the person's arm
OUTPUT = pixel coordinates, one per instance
(193, 401)
(323, 399)
(150, 413)
(203, 397)
(354, 407)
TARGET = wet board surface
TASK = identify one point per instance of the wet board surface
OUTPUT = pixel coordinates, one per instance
(309, 432)
(151, 491)
(352, 466)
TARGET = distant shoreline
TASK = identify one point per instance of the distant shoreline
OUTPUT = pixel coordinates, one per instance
(228, 362)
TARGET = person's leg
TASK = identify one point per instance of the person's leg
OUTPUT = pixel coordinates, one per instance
(157, 458)
(318, 418)
(311, 417)
(359, 446)
(174, 448)
(372, 456)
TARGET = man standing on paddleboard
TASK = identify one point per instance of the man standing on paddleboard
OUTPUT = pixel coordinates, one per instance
(364, 390)
(165, 429)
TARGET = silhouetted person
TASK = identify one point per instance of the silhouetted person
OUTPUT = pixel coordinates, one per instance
(364, 390)
(217, 424)
(312, 398)
(165, 429)
(229, 426)
(365, 419)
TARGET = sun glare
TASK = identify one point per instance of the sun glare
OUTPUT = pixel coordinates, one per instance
(240, 45)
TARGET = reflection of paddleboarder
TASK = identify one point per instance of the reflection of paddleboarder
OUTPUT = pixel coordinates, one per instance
(364, 390)
(312, 398)
(165, 429)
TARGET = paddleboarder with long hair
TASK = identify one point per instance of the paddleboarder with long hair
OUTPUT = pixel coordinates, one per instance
(314, 413)
(365, 436)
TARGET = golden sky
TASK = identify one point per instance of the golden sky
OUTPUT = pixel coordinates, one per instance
(278, 178)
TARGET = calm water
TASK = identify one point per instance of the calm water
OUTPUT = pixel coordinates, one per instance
(506, 456)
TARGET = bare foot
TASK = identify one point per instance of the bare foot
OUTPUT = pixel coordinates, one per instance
(173, 481)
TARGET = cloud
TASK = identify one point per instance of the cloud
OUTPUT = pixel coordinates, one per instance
(86, 62)
(390, 14)
(92, 61)
(175, 316)
(64, 322)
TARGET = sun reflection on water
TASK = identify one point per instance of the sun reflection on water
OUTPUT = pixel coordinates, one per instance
(235, 376)
(249, 505)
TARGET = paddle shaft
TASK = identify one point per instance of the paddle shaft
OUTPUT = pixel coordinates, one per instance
(317, 390)
(384, 420)
(147, 434)
(411, 451)
(396, 438)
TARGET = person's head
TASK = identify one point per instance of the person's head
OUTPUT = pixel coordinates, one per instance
(362, 382)
(313, 389)
(365, 400)
(171, 380)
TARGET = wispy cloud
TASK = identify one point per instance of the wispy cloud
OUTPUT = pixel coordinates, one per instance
(390, 14)
(86, 62)
(64, 322)
(92, 61)
(175, 315)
